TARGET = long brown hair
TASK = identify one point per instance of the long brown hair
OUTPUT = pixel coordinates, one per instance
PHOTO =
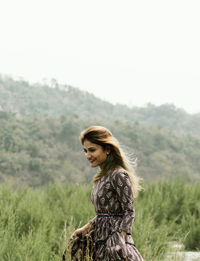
(116, 158)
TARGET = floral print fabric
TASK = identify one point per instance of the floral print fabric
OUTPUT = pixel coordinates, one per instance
(112, 194)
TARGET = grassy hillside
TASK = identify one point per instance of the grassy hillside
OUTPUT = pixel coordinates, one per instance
(36, 224)
(55, 100)
(36, 151)
(40, 127)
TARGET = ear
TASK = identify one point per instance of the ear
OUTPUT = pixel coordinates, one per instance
(108, 150)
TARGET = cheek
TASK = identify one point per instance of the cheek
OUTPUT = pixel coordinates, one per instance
(103, 157)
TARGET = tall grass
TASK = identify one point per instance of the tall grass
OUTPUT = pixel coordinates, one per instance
(36, 224)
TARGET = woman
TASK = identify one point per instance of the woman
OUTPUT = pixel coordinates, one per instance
(108, 235)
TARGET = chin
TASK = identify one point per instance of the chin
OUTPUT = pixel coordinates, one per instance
(94, 165)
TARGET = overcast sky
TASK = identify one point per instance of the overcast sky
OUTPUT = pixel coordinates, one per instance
(127, 51)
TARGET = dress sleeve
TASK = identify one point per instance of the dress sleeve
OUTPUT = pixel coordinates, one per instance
(121, 184)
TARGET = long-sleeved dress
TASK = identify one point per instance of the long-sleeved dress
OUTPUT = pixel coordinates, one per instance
(113, 195)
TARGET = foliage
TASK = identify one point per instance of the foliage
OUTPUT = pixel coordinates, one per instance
(37, 151)
(40, 126)
(55, 100)
(35, 224)
(39, 146)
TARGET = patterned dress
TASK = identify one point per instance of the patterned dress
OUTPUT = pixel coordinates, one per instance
(112, 194)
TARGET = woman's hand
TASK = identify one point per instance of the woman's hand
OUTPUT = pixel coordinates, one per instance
(77, 232)
(80, 231)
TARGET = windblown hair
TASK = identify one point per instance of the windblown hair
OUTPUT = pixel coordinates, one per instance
(117, 159)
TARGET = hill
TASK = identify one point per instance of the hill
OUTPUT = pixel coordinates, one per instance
(40, 127)
(36, 151)
(55, 100)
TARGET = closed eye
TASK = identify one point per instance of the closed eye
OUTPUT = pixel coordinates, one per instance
(89, 149)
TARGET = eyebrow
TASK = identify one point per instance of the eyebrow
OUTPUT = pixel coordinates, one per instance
(89, 148)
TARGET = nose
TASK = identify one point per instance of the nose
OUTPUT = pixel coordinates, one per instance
(88, 155)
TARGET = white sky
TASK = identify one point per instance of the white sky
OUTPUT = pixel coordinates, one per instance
(126, 51)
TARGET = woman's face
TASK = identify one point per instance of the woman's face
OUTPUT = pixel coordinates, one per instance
(95, 153)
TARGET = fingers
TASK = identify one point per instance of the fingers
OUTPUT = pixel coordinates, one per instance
(69, 243)
(71, 239)
(75, 234)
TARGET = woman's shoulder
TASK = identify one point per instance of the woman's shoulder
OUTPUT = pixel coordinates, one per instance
(119, 172)
(119, 178)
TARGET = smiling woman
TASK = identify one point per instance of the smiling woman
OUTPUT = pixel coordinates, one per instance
(108, 236)
(95, 153)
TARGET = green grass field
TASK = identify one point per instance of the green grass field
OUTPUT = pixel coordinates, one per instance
(36, 224)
